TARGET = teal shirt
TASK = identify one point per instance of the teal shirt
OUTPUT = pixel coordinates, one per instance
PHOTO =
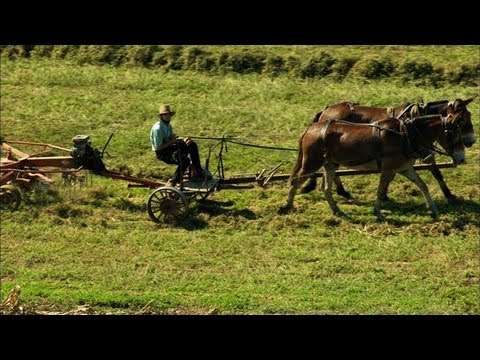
(160, 133)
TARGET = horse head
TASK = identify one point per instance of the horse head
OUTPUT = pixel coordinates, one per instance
(459, 106)
(451, 138)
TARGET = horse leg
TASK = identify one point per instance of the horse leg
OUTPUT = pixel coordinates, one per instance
(385, 197)
(438, 176)
(385, 179)
(329, 176)
(411, 175)
(309, 186)
(295, 182)
(340, 189)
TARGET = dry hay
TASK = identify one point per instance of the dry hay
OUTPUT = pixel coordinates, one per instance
(11, 304)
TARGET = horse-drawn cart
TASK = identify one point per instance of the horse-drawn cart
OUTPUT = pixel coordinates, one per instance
(20, 171)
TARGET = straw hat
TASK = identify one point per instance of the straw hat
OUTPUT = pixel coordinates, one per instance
(165, 109)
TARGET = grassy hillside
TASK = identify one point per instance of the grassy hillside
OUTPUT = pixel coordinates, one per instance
(422, 65)
(94, 249)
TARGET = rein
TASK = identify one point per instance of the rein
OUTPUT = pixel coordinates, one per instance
(228, 139)
(431, 147)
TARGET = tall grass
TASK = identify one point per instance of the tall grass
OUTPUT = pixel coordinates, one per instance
(429, 65)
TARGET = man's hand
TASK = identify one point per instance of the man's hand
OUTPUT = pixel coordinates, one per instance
(187, 140)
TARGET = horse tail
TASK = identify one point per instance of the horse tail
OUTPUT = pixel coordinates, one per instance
(298, 164)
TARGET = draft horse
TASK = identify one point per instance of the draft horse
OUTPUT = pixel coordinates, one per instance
(367, 114)
(390, 145)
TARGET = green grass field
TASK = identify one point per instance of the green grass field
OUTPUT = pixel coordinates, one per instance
(94, 247)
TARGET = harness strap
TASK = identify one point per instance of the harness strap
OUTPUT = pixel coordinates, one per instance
(404, 111)
(374, 124)
(406, 144)
(416, 111)
(409, 140)
(377, 144)
(390, 112)
(351, 106)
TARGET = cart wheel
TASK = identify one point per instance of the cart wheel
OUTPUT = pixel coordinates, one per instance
(167, 204)
(10, 197)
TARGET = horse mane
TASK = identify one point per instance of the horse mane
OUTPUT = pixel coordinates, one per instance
(317, 116)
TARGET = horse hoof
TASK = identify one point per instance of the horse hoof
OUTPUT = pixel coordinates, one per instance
(345, 194)
(338, 213)
(452, 199)
(380, 217)
(282, 210)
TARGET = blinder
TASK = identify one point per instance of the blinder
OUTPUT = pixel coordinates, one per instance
(449, 129)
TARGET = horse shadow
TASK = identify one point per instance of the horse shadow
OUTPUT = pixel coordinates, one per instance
(463, 207)
(464, 211)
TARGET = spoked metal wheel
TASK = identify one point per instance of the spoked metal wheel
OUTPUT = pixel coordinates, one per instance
(167, 204)
(10, 197)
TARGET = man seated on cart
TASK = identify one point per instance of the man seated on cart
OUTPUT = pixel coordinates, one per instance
(173, 150)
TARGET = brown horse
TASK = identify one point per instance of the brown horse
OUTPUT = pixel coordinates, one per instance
(367, 114)
(391, 146)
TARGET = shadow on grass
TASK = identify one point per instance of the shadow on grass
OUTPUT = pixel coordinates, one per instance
(212, 208)
(191, 222)
(127, 205)
(216, 208)
(444, 207)
(463, 212)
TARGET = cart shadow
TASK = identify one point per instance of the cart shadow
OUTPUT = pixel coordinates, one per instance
(216, 208)
(212, 208)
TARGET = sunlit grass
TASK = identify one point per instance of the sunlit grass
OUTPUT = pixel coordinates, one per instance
(232, 254)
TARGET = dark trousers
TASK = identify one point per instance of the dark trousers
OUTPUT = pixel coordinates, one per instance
(178, 154)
